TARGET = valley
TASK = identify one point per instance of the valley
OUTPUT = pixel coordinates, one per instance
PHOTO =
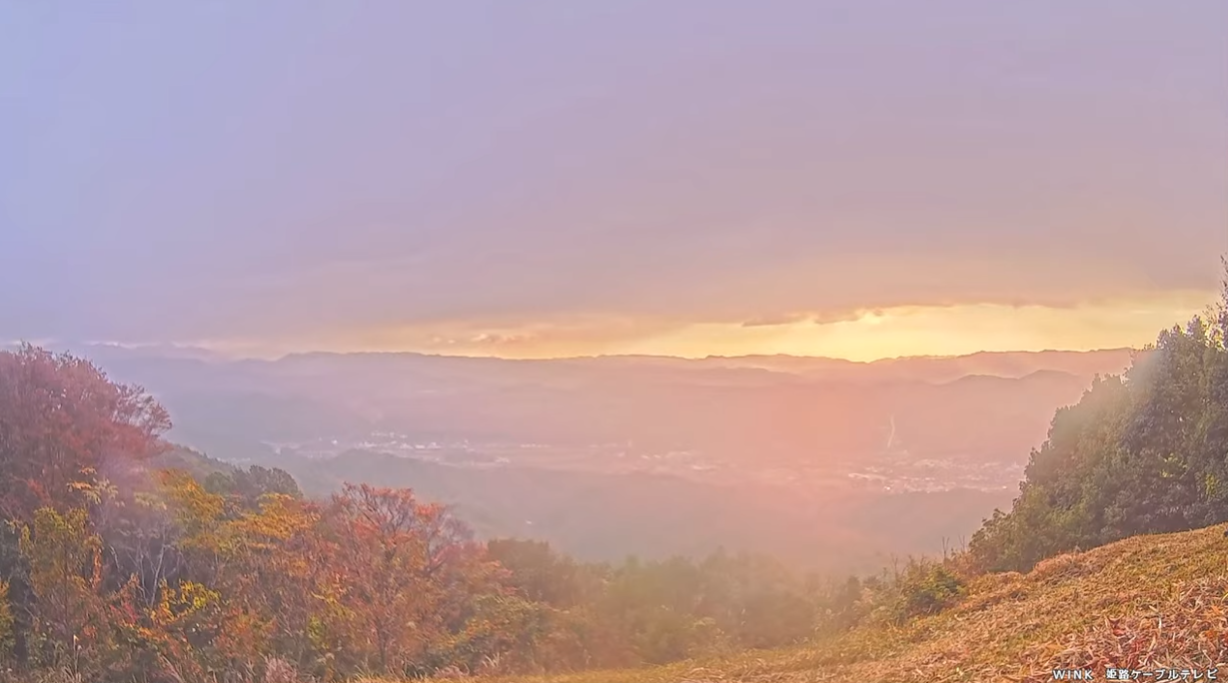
(826, 464)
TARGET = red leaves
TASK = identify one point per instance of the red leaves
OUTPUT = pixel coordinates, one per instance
(60, 417)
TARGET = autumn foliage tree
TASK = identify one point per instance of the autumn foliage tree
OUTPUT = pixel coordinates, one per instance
(403, 573)
(119, 566)
(63, 425)
(65, 575)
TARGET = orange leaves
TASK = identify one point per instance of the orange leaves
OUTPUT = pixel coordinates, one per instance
(280, 518)
(394, 573)
(197, 512)
(171, 573)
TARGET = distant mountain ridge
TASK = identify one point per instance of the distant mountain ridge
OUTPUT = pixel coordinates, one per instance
(756, 407)
(999, 363)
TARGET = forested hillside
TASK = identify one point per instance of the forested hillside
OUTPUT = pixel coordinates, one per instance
(1145, 452)
(126, 559)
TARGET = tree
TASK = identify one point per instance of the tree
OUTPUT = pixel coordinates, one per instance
(404, 573)
(64, 425)
(538, 573)
(246, 487)
(65, 576)
(6, 620)
(1146, 452)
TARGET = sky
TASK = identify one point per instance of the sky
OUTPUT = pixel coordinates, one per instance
(857, 180)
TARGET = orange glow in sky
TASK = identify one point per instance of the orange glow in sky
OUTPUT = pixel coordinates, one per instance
(818, 180)
(871, 335)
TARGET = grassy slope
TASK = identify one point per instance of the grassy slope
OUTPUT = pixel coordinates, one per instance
(1146, 603)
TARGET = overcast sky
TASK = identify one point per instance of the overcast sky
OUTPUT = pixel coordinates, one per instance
(554, 178)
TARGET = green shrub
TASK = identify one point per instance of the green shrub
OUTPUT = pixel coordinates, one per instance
(926, 588)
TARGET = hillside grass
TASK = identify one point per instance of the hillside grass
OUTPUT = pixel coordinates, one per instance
(1146, 603)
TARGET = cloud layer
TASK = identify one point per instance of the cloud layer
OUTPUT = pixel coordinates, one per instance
(613, 176)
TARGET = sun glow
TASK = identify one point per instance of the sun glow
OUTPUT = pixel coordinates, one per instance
(864, 336)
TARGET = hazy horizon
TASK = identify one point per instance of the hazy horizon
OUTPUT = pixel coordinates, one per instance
(884, 180)
(84, 348)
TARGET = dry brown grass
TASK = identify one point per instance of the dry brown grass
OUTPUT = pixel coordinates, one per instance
(1147, 602)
